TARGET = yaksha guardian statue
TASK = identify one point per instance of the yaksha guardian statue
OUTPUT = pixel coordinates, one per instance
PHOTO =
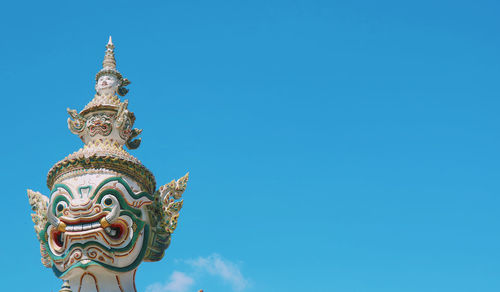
(104, 215)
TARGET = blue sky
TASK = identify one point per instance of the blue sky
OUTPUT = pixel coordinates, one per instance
(332, 146)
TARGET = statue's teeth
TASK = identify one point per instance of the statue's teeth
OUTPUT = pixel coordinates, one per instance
(83, 227)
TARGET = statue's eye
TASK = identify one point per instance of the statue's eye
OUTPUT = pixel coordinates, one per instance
(108, 200)
(61, 206)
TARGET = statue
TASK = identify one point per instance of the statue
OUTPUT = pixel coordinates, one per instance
(104, 215)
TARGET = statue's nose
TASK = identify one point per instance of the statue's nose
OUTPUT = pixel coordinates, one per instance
(82, 204)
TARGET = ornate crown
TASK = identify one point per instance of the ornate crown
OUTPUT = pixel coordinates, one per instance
(105, 125)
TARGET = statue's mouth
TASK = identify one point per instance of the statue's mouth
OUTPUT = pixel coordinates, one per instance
(83, 223)
(77, 226)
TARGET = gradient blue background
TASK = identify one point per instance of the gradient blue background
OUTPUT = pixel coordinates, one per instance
(332, 146)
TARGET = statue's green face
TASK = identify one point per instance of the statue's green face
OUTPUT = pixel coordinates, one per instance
(96, 219)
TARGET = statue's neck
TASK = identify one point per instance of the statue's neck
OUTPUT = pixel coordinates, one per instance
(98, 279)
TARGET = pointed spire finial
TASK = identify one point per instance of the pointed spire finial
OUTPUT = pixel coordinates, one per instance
(109, 56)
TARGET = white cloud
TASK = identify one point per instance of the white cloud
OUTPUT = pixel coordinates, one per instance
(178, 282)
(217, 266)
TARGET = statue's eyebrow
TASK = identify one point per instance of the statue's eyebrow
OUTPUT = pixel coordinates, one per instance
(128, 189)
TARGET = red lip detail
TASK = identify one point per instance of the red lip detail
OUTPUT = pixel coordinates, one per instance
(119, 228)
(57, 238)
